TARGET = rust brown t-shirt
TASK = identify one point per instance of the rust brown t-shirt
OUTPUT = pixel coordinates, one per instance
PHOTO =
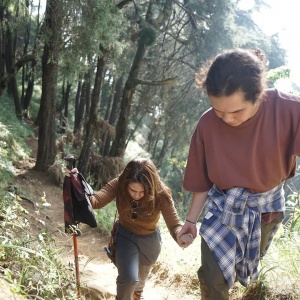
(258, 154)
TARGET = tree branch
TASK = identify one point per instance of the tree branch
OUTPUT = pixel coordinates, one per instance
(191, 15)
(22, 61)
(18, 65)
(162, 82)
(123, 3)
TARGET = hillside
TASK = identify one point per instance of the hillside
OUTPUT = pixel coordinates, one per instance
(174, 275)
(97, 273)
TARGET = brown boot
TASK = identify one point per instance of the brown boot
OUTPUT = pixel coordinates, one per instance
(138, 295)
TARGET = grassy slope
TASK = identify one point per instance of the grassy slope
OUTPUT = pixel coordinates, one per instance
(280, 269)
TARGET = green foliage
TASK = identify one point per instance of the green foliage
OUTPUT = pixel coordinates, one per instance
(18, 129)
(282, 261)
(279, 270)
(173, 179)
(257, 291)
(293, 204)
(105, 217)
(273, 75)
(89, 27)
(147, 35)
(29, 262)
(13, 133)
(6, 167)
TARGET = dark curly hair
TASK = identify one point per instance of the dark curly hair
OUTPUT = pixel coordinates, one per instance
(233, 70)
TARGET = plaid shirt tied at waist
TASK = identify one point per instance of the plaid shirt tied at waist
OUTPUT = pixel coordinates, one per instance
(231, 228)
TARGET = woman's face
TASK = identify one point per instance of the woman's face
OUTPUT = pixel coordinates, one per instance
(234, 109)
(136, 190)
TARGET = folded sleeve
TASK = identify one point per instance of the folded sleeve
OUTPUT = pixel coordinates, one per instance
(297, 138)
(196, 175)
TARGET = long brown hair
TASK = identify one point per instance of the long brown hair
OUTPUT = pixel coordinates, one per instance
(143, 171)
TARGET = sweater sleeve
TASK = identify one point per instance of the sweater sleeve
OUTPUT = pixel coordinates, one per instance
(107, 194)
(170, 216)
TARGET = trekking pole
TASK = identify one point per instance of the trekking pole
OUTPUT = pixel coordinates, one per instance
(71, 162)
(76, 264)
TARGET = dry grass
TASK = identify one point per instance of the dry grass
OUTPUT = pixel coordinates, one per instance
(279, 272)
(176, 267)
(104, 168)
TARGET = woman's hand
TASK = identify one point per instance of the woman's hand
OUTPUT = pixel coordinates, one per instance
(187, 234)
(69, 172)
(185, 240)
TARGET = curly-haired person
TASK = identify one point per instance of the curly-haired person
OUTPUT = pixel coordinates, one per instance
(243, 148)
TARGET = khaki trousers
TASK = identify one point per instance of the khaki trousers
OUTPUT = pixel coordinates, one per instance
(212, 282)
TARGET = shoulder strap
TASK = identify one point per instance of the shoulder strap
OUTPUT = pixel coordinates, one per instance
(114, 228)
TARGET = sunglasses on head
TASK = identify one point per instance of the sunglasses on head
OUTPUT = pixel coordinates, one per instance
(134, 205)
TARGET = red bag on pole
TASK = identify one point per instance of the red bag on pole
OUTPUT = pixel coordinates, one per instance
(77, 209)
(77, 206)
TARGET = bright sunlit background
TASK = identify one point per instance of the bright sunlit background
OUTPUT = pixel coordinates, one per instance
(278, 17)
(282, 17)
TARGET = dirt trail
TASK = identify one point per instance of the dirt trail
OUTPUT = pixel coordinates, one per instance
(96, 271)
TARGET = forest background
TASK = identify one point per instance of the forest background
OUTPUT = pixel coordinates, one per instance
(111, 80)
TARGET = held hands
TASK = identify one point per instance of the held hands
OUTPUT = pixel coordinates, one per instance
(186, 235)
(185, 240)
(69, 172)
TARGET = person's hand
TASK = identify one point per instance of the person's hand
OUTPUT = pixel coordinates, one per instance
(185, 240)
(187, 228)
(69, 172)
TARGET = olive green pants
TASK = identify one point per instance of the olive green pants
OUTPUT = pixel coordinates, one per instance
(212, 282)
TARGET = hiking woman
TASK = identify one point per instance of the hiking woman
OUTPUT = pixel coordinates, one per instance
(141, 197)
(241, 151)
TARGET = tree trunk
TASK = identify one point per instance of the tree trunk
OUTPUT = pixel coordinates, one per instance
(119, 144)
(29, 91)
(77, 103)
(25, 68)
(64, 108)
(64, 117)
(116, 102)
(83, 99)
(10, 62)
(2, 46)
(90, 128)
(133, 131)
(87, 100)
(46, 142)
(113, 112)
(67, 99)
(162, 153)
(108, 111)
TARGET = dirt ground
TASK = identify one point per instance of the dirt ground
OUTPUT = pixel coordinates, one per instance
(97, 273)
